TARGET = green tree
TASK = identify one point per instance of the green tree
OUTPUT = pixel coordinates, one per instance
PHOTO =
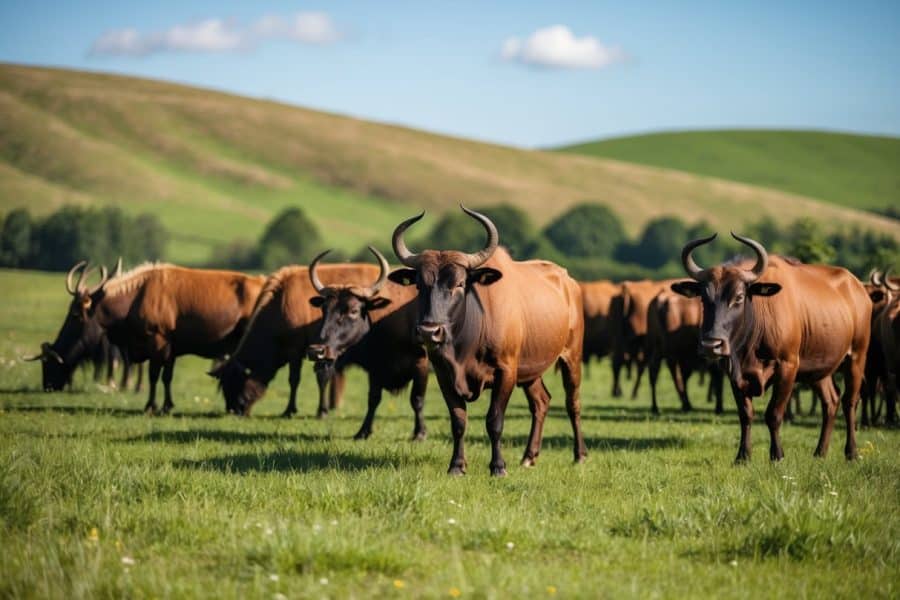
(587, 230)
(15, 243)
(808, 243)
(457, 231)
(290, 238)
(660, 243)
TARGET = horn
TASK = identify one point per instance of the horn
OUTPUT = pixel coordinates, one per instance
(117, 272)
(693, 270)
(69, 288)
(479, 258)
(48, 351)
(762, 257)
(382, 276)
(875, 278)
(888, 283)
(313, 278)
(104, 277)
(403, 254)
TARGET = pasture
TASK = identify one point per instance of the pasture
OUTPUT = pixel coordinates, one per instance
(97, 500)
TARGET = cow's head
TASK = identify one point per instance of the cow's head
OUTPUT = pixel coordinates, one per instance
(881, 289)
(446, 281)
(727, 293)
(345, 311)
(80, 333)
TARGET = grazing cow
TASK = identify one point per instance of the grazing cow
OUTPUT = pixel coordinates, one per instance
(281, 329)
(602, 302)
(778, 321)
(673, 333)
(489, 321)
(373, 326)
(636, 298)
(158, 312)
(887, 325)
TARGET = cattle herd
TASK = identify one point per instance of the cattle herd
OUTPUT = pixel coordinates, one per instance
(485, 321)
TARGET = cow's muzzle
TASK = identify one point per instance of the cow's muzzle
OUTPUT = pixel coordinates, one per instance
(318, 352)
(714, 347)
(432, 333)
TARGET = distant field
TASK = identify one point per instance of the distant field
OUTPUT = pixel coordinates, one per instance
(97, 500)
(215, 167)
(857, 171)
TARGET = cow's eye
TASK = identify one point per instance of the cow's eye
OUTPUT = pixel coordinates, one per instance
(738, 299)
(354, 313)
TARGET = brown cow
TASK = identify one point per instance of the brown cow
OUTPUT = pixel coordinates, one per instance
(282, 327)
(373, 326)
(673, 335)
(490, 321)
(887, 326)
(158, 312)
(602, 301)
(636, 298)
(779, 321)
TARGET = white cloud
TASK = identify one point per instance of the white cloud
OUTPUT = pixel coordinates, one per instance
(557, 47)
(218, 35)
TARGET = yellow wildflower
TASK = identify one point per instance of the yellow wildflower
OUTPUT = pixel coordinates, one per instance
(94, 535)
(551, 589)
(454, 592)
(399, 584)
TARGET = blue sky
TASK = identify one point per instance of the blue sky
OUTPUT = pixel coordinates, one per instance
(452, 67)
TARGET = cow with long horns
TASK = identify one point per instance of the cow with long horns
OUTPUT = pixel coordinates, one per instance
(282, 327)
(886, 330)
(776, 321)
(372, 326)
(158, 312)
(489, 321)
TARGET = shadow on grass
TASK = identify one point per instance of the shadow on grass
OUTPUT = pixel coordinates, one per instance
(231, 437)
(291, 461)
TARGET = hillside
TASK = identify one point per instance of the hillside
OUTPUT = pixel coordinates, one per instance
(856, 171)
(216, 167)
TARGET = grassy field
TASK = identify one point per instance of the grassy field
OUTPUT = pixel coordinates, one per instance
(215, 167)
(857, 171)
(97, 500)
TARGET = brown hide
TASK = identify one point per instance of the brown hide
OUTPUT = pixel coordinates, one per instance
(597, 297)
(887, 330)
(636, 298)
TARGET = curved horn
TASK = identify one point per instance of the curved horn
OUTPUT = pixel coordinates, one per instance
(313, 277)
(875, 278)
(104, 277)
(693, 270)
(117, 272)
(403, 254)
(33, 358)
(888, 283)
(762, 257)
(476, 260)
(69, 288)
(382, 276)
(48, 351)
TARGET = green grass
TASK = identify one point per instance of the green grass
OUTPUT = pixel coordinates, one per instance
(212, 506)
(857, 171)
(215, 167)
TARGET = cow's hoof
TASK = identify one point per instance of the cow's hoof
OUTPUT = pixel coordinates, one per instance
(498, 472)
(581, 459)
(686, 408)
(528, 462)
(418, 436)
(288, 414)
(362, 435)
(456, 471)
(322, 414)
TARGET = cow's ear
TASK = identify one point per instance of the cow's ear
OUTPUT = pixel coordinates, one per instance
(317, 301)
(485, 276)
(877, 296)
(764, 289)
(403, 276)
(376, 303)
(689, 289)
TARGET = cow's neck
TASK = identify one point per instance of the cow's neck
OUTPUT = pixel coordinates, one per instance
(747, 368)
(460, 358)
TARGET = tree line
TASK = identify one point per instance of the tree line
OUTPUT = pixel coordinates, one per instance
(588, 239)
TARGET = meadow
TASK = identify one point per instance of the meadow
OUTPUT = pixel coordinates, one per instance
(98, 500)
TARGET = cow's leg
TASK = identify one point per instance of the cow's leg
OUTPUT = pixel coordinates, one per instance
(641, 365)
(745, 415)
(336, 389)
(111, 362)
(679, 378)
(155, 367)
(295, 367)
(653, 374)
(168, 371)
(417, 398)
(322, 378)
(140, 377)
(571, 378)
(538, 403)
(458, 420)
(126, 372)
(890, 395)
(853, 375)
(716, 385)
(867, 394)
(618, 359)
(685, 370)
(504, 382)
(781, 395)
(824, 389)
(374, 400)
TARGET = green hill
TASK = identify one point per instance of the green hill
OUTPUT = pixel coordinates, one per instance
(215, 167)
(857, 171)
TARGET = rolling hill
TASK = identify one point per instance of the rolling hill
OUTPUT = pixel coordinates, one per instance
(856, 171)
(215, 167)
